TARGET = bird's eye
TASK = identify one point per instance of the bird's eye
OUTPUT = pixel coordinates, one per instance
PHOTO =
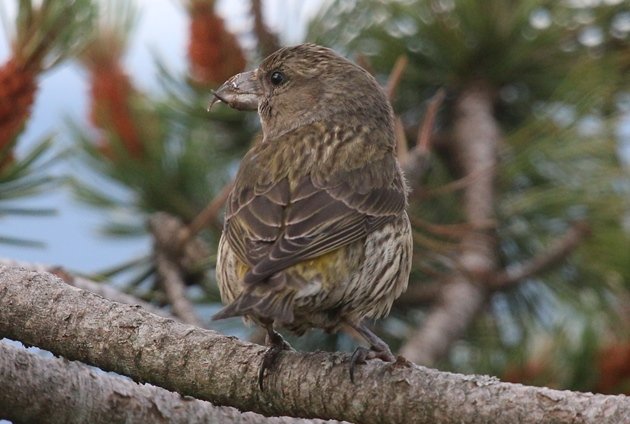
(277, 78)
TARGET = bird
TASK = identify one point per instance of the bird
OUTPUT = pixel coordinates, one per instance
(316, 233)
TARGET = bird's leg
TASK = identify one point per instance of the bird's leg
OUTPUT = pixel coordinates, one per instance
(378, 348)
(276, 345)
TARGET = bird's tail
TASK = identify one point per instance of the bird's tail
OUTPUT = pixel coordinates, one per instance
(276, 306)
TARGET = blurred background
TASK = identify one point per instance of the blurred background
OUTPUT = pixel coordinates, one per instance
(513, 129)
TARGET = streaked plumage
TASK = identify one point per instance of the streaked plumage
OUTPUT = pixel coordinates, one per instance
(316, 233)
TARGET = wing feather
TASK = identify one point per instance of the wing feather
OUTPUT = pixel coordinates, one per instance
(274, 225)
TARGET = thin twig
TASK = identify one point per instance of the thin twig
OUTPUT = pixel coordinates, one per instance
(432, 244)
(423, 140)
(460, 183)
(416, 161)
(206, 216)
(447, 230)
(175, 290)
(420, 294)
(395, 76)
(475, 140)
(363, 61)
(559, 250)
(267, 40)
(172, 260)
(402, 147)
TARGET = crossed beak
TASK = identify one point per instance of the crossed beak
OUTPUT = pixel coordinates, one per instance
(240, 92)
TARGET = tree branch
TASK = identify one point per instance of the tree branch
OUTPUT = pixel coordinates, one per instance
(423, 141)
(395, 76)
(476, 138)
(101, 289)
(419, 294)
(172, 260)
(206, 216)
(458, 304)
(559, 250)
(38, 309)
(415, 161)
(458, 184)
(175, 290)
(52, 390)
(267, 40)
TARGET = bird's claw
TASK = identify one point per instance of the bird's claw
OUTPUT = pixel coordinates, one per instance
(362, 354)
(277, 346)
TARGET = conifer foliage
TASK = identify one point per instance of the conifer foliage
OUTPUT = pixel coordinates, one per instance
(508, 117)
(43, 34)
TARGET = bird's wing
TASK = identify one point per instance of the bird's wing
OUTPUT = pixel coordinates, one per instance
(276, 225)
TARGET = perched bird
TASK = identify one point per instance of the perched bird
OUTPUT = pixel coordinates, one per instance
(316, 233)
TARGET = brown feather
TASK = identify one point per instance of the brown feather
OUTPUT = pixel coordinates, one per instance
(319, 192)
(308, 220)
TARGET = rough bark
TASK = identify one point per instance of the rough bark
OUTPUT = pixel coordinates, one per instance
(101, 289)
(41, 310)
(52, 390)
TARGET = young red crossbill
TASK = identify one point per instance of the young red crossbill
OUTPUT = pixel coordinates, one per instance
(316, 233)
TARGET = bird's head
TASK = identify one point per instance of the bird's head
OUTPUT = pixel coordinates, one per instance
(299, 85)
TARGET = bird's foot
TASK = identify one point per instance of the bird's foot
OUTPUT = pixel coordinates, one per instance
(362, 354)
(277, 345)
